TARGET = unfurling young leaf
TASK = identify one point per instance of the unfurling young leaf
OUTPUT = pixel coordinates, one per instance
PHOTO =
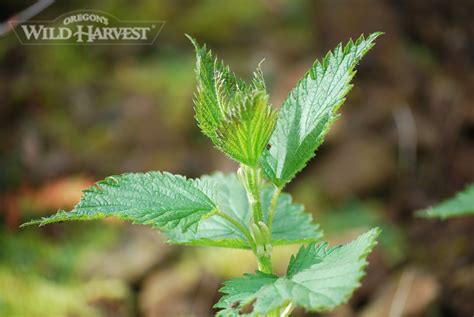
(310, 109)
(162, 200)
(246, 129)
(234, 114)
(460, 205)
(318, 278)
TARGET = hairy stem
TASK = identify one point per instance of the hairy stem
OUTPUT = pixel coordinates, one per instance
(251, 179)
(257, 210)
(238, 225)
(263, 250)
(254, 197)
(273, 204)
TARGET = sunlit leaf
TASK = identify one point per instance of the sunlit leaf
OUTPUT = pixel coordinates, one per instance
(319, 278)
(310, 109)
(161, 200)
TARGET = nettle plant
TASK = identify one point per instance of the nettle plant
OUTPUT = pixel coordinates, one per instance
(248, 209)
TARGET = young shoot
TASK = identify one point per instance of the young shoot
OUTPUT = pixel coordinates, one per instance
(249, 209)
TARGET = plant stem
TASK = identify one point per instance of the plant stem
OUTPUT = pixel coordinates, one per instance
(265, 263)
(238, 225)
(273, 204)
(256, 210)
(255, 199)
(254, 184)
(251, 179)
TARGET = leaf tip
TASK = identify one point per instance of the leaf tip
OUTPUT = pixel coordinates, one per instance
(375, 232)
(372, 235)
(190, 37)
(27, 224)
(193, 41)
(375, 35)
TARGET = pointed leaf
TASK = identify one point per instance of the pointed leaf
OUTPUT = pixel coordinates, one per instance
(319, 279)
(216, 86)
(161, 200)
(460, 205)
(290, 223)
(310, 109)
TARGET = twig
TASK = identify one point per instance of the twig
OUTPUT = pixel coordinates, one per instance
(401, 294)
(24, 16)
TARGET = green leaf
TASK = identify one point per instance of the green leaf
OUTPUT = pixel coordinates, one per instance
(310, 109)
(318, 279)
(234, 114)
(460, 205)
(290, 223)
(162, 200)
(240, 289)
(306, 257)
(216, 85)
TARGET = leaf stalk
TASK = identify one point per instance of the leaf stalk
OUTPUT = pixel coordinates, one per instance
(238, 225)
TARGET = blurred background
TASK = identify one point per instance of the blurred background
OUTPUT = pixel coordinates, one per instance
(71, 115)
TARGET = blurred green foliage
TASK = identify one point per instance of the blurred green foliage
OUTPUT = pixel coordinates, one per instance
(358, 216)
(39, 274)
